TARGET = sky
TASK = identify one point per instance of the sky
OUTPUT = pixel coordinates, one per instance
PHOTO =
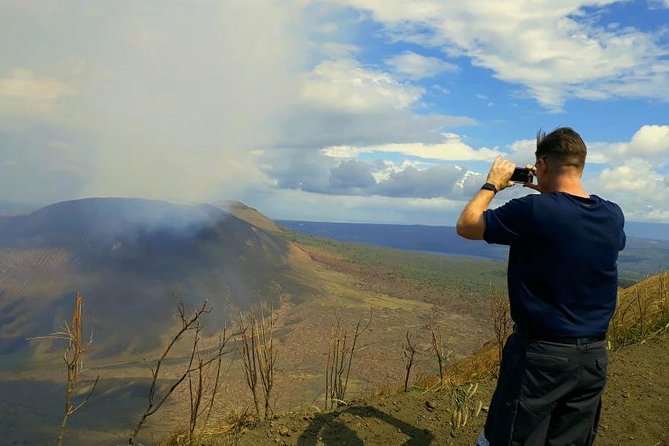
(385, 111)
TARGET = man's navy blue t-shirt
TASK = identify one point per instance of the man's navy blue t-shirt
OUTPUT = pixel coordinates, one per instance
(562, 272)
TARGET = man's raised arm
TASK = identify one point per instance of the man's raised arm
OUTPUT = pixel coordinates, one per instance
(471, 224)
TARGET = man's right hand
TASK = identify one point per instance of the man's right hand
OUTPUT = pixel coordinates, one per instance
(500, 173)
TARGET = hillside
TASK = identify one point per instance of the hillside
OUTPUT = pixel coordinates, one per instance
(127, 267)
(634, 412)
(127, 256)
(133, 260)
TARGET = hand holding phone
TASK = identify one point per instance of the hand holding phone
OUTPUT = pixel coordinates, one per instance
(522, 175)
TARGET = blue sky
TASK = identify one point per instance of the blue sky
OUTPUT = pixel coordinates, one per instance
(335, 110)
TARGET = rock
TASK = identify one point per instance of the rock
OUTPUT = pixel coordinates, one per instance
(431, 405)
(284, 431)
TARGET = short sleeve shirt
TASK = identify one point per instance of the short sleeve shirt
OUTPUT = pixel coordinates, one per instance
(562, 270)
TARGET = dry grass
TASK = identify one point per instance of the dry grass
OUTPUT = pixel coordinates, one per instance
(642, 311)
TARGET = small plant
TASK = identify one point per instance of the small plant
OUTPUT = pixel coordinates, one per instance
(463, 400)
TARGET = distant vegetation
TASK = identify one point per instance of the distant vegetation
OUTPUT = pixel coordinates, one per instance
(641, 258)
(454, 276)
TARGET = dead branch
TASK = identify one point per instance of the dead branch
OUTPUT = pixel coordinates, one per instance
(440, 353)
(187, 323)
(74, 362)
(409, 352)
(266, 355)
(250, 360)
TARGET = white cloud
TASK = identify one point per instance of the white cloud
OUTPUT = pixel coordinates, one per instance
(23, 91)
(345, 84)
(637, 187)
(650, 143)
(413, 66)
(451, 149)
(301, 205)
(550, 48)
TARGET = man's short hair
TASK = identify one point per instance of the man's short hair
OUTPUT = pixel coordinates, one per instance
(563, 145)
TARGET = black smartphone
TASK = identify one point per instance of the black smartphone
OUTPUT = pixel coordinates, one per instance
(522, 175)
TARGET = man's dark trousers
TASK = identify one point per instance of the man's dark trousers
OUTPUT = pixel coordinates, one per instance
(548, 393)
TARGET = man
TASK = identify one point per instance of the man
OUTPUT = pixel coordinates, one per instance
(562, 279)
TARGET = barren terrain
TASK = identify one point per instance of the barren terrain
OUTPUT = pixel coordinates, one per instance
(636, 404)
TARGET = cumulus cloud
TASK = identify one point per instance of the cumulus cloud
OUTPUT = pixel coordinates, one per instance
(351, 175)
(413, 66)
(637, 186)
(320, 173)
(551, 49)
(435, 182)
(649, 142)
(300, 205)
(345, 84)
(453, 148)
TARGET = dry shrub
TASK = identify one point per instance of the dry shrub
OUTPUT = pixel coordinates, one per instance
(339, 360)
(480, 364)
(259, 355)
(642, 311)
(500, 318)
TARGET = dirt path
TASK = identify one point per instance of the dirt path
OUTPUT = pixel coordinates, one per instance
(636, 412)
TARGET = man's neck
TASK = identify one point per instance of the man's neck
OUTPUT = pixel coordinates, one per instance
(569, 185)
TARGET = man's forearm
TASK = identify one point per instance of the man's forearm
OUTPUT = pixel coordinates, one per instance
(471, 224)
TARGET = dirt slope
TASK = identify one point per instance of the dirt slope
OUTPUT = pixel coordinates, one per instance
(636, 412)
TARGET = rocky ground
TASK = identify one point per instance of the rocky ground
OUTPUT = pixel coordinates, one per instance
(636, 412)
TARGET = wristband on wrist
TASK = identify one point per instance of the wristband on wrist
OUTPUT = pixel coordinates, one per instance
(490, 186)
